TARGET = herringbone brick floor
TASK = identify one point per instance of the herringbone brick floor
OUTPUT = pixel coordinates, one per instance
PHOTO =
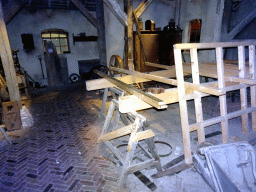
(59, 152)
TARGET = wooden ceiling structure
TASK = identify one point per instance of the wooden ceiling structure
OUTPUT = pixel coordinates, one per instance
(9, 8)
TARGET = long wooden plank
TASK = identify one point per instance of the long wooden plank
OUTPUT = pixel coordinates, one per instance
(117, 11)
(222, 98)
(183, 107)
(142, 7)
(198, 102)
(103, 83)
(117, 133)
(7, 61)
(144, 135)
(86, 13)
(159, 104)
(158, 65)
(196, 87)
(208, 72)
(243, 91)
(253, 88)
(233, 62)
(133, 103)
(214, 45)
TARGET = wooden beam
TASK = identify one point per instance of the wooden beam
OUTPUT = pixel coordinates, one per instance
(132, 103)
(129, 34)
(86, 13)
(139, 36)
(222, 99)
(208, 71)
(132, 140)
(159, 104)
(158, 65)
(103, 83)
(12, 8)
(101, 32)
(125, 59)
(117, 153)
(142, 165)
(198, 100)
(7, 61)
(214, 45)
(243, 91)
(226, 19)
(253, 88)
(142, 7)
(200, 88)
(117, 11)
(183, 107)
(219, 20)
(240, 26)
(117, 133)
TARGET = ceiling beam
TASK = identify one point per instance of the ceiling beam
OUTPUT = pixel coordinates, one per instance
(86, 13)
(12, 8)
(231, 35)
(117, 11)
(142, 7)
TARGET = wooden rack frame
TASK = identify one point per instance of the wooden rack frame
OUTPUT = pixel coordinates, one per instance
(243, 81)
(229, 78)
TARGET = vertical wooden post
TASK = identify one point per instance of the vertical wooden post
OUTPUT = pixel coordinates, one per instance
(183, 106)
(243, 91)
(253, 88)
(222, 98)
(129, 35)
(125, 38)
(198, 102)
(218, 24)
(7, 60)
(101, 32)
(104, 100)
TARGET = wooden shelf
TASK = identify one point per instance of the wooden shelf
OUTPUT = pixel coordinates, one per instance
(84, 38)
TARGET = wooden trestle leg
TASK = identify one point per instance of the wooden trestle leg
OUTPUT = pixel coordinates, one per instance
(138, 130)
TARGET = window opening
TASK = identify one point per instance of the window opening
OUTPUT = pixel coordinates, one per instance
(59, 38)
(195, 30)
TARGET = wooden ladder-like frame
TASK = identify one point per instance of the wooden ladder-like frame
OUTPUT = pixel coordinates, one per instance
(245, 78)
